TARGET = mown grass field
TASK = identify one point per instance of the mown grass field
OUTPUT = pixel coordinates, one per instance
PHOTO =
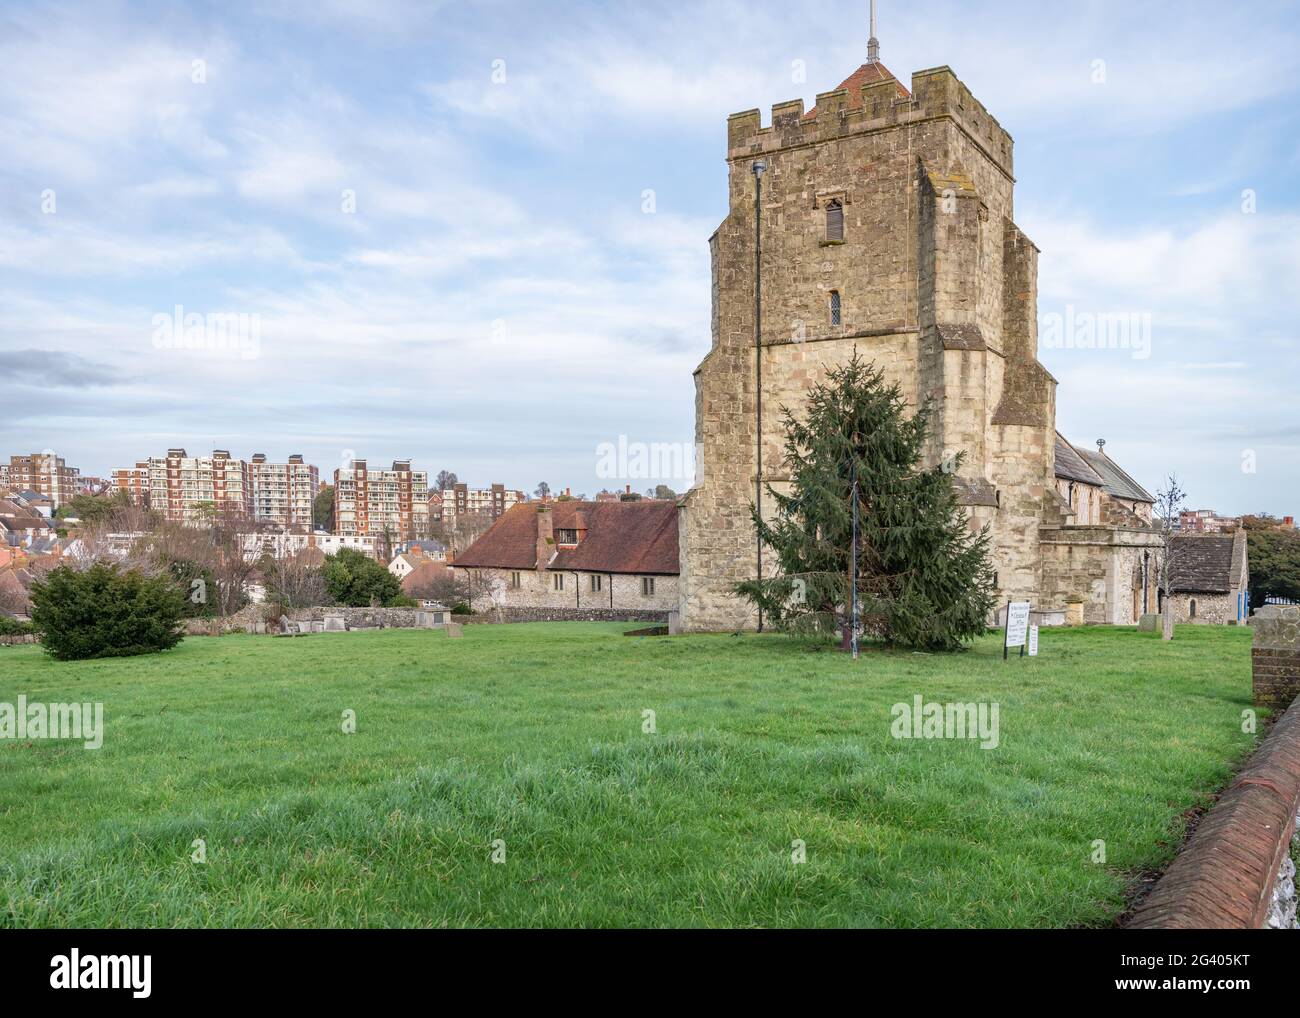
(533, 734)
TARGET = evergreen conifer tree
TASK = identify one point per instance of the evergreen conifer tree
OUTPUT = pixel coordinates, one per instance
(923, 579)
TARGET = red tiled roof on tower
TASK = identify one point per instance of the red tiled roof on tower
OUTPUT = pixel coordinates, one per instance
(867, 74)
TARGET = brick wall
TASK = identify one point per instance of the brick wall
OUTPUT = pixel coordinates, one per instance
(1226, 875)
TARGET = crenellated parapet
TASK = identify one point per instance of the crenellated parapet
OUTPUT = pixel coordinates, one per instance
(936, 93)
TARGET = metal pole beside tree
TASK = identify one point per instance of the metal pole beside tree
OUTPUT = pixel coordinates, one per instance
(758, 168)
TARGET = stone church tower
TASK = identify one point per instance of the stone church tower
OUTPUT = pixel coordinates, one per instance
(887, 228)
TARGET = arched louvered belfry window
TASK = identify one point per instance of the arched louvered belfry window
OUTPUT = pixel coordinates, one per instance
(834, 220)
(835, 307)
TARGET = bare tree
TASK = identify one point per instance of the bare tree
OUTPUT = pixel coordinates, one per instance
(13, 595)
(294, 580)
(445, 586)
(215, 549)
(1170, 503)
(444, 481)
(464, 529)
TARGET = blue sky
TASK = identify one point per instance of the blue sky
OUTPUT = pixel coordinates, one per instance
(499, 303)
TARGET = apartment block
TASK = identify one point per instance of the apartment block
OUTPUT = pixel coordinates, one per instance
(44, 473)
(191, 488)
(283, 493)
(1206, 521)
(492, 501)
(392, 502)
(134, 481)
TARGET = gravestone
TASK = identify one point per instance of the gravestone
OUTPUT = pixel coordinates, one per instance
(1275, 656)
(335, 624)
(674, 623)
(317, 626)
(454, 630)
(285, 625)
(1148, 623)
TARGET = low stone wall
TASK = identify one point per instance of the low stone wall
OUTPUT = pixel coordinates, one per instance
(15, 640)
(565, 615)
(249, 616)
(1275, 655)
(1232, 874)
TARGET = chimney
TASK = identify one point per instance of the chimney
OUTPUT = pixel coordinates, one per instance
(545, 537)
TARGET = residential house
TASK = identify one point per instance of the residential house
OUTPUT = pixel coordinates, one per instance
(21, 520)
(577, 554)
(428, 547)
(403, 565)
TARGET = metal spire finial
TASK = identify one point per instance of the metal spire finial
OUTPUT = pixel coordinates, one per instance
(873, 44)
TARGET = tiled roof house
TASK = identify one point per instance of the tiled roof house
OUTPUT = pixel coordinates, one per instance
(572, 554)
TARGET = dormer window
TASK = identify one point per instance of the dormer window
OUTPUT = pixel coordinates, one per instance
(566, 536)
(834, 220)
(835, 307)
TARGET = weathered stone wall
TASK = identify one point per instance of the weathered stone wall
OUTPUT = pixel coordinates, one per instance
(537, 589)
(1211, 609)
(240, 621)
(1275, 655)
(564, 615)
(1105, 567)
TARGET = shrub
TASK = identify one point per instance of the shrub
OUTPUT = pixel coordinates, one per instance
(358, 581)
(105, 612)
(12, 627)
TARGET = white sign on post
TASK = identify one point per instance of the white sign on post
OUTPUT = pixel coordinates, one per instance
(1033, 641)
(1017, 633)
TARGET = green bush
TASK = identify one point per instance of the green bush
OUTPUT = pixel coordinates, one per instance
(104, 612)
(358, 581)
(12, 627)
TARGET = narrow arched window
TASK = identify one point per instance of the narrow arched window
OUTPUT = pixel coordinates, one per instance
(834, 220)
(835, 307)
(1193, 607)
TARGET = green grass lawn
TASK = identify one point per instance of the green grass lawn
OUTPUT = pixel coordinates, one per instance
(533, 734)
